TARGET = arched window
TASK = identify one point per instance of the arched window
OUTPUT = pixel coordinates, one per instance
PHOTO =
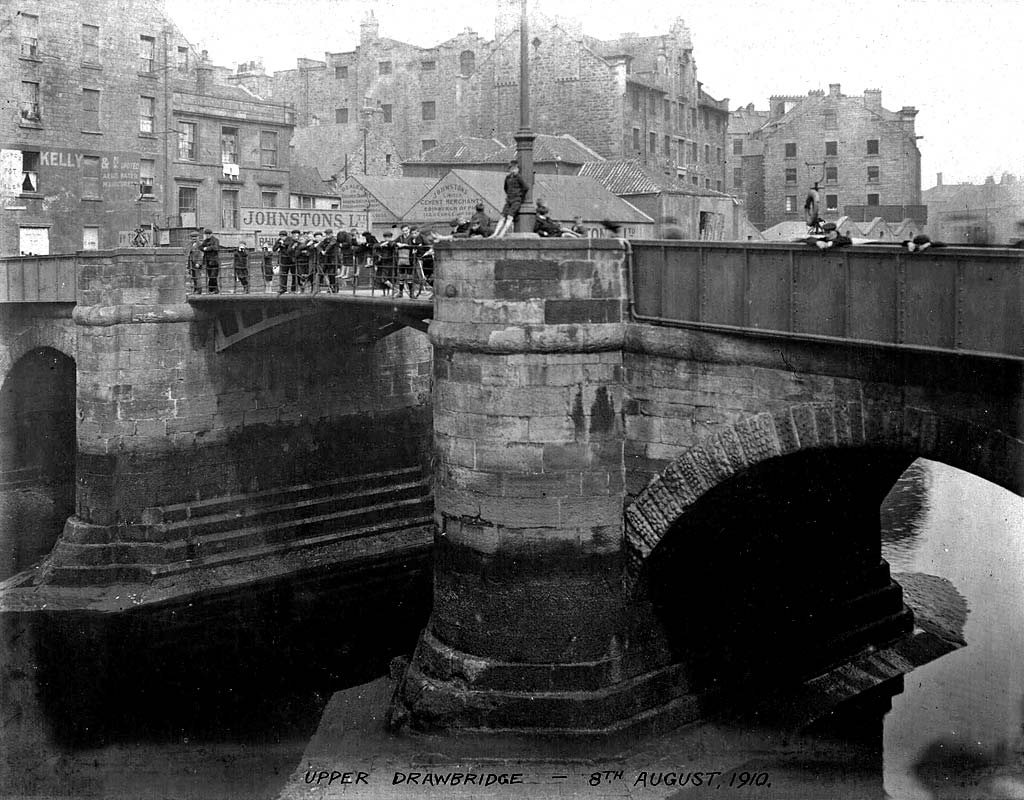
(467, 62)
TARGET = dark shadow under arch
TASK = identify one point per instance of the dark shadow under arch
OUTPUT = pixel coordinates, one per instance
(770, 574)
(37, 455)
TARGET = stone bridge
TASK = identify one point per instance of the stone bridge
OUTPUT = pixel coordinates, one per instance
(656, 467)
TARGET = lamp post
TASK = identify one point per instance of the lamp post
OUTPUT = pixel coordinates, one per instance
(524, 136)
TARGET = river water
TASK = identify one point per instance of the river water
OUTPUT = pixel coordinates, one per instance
(233, 721)
(956, 729)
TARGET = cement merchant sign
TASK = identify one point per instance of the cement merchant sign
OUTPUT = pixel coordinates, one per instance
(303, 219)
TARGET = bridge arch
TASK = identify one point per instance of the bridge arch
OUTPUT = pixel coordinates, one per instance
(913, 432)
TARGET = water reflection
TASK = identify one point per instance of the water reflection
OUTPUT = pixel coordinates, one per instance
(955, 731)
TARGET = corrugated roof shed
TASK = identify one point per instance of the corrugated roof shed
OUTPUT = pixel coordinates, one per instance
(566, 196)
(628, 176)
(474, 150)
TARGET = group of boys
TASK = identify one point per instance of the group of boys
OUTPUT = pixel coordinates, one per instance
(313, 258)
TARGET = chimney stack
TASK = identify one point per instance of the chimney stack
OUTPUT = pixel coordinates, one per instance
(833, 90)
(204, 74)
(938, 179)
(873, 98)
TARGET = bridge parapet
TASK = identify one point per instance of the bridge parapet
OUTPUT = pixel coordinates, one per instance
(38, 279)
(957, 299)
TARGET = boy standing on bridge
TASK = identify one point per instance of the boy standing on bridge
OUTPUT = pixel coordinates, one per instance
(210, 249)
(515, 194)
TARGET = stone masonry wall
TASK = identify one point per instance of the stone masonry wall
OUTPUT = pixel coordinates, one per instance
(163, 418)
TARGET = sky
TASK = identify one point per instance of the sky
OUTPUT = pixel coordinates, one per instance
(958, 62)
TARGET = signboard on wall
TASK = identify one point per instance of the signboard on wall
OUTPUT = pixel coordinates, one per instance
(303, 219)
(34, 241)
(10, 173)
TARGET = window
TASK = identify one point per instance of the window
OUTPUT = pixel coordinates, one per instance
(718, 186)
(831, 120)
(667, 145)
(268, 148)
(693, 117)
(873, 200)
(181, 60)
(636, 139)
(147, 47)
(718, 155)
(705, 120)
(427, 144)
(90, 109)
(791, 176)
(652, 143)
(831, 202)
(147, 171)
(341, 73)
(707, 183)
(831, 148)
(737, 177)
(91, 44)
(341, 116)
(90, 237)
(187, 141)
(694, 180)
(268, 199)
(693, 152)
(29, 35)
(831, 174)
(872, 174)
(229, 208)
(428, 66)
(30, 102)
(667, 106)
(429, 110)
(636, 100)
(387, 159)
(707, 154)
(386, 111)
(29, 171)
(91, 177)
(467, 62)
(384, 68)
(737, 147)
(790, 149)
(872, 147)
(304, 201)
(187, 205)
(790, 203)
(229, 145)
(147, 113)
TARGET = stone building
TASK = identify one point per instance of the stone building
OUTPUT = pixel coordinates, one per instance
(386, 102)
(231, 154)
(864, 157)
(976, 214)
(113, 123)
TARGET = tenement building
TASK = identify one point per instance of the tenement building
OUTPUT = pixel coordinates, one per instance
(112, 124)
(864, 158)
(386, 101)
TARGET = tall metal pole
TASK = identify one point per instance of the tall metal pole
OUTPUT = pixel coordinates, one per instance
(524, 137)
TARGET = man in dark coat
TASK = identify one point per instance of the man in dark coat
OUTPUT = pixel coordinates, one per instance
(210, 248)
(285, 248)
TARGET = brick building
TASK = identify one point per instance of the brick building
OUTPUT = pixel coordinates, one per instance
(864, 157)
(387, 102)
(95, 138)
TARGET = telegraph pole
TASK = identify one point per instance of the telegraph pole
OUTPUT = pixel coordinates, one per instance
(524, 137)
